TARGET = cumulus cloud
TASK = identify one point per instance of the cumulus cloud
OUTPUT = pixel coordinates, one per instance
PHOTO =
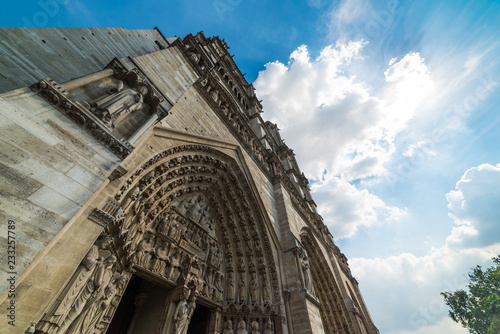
(329, 116)
(346, 208)
(474, 205)
(334, 123)
(406, 287)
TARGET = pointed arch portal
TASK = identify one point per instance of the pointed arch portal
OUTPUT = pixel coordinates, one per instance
(188, 222)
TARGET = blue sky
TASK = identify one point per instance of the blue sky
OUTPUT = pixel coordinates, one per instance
(396, 100)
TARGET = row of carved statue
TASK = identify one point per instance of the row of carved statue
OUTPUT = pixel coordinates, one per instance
(252, 327)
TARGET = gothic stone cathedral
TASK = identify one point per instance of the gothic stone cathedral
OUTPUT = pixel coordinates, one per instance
(146, 194)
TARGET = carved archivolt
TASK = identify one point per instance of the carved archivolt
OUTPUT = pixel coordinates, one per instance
(333, 311)
(187, 217)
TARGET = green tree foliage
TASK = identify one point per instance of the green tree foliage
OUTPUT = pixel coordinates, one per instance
(478, 309)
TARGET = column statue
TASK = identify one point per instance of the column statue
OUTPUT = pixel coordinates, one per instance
(183, 312)
(304, 262)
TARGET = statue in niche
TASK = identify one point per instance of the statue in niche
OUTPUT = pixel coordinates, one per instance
(183, 312)
(243, 294)
(228, 327)
(255, 327)
(254, 288)
(269, 327)
(266, 292)
(118, 102)
(262, 265)
(304, 262)
(230, 287)
(197, 238)
(175, 260)
(93, 291)
(161, 260)
(242, 327)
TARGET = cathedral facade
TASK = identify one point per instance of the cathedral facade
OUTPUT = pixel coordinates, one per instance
(143, 192)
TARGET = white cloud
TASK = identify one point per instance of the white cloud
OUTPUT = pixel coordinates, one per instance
(425, 147)
(474, 203)
(350, 10)
(333, 123)
(445, 325)
(346, 208)
(329, 116)
(404, 289)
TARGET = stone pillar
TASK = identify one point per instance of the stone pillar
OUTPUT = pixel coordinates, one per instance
(82, 81)
(286, 297)
(144, 127)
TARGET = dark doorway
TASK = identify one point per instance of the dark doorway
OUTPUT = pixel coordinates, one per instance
(199, 321)
(140, 309)
(123, 315)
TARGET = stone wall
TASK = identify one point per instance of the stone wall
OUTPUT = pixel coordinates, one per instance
(28, 55)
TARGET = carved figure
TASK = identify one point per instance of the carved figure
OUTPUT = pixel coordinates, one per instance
(230, 287)
(119, 102)
(243, 295)
(184, 206)
(269, 327)
(173, 232)
(197, 209)
(143, 254)
(266, 293)
(304, 262)
(183, 312)
(242, 327)
(164, 225)
(241, 264)
(83, 307)
(255, 327)
(254, 286)
(218, 287)
(96, 310)
(228, 327)
(161, 260)
(175, 260)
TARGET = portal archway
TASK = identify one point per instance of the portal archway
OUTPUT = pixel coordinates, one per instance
(334, 314)
(186, 219)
